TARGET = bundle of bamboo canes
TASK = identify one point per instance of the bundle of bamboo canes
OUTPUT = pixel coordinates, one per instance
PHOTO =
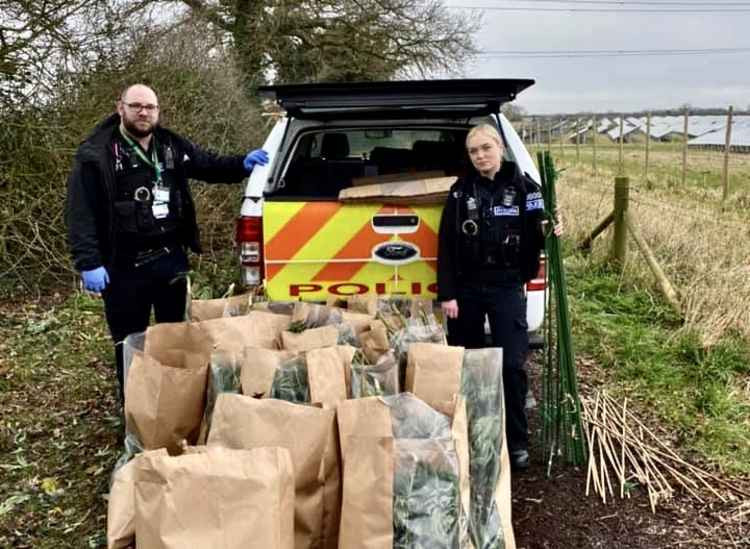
(623, 450)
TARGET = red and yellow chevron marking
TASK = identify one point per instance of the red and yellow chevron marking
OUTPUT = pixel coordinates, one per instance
(324, 243)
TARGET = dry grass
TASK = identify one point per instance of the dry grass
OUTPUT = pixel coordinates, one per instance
(702, 247)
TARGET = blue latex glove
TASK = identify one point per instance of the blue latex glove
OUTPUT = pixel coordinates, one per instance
(258, 156)
(95, 280)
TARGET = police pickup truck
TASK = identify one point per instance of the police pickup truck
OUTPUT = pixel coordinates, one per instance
(295, 236)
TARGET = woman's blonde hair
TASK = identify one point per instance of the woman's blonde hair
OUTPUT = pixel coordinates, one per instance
(488, 129)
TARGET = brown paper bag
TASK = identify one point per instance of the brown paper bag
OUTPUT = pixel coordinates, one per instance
(183, 336)
(258, 368)
(327, 369)
(314, 338)
(164, 404)
(331, 472)
(244, 422)
(347, 352)
(256, 329)
(220, 498)
(433, 372)
(358, 321)
(205, 309)
(121, 504)
(326, 374)
(374, 341)
(367, 501)
(362, 417)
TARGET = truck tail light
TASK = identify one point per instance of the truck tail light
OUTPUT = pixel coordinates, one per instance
(539, 283)
(249, 238)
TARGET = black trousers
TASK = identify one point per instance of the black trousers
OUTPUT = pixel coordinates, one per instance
(133, 291)
(505, 308)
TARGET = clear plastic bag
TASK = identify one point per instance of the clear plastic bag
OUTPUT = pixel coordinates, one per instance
(381, 379)
(482, 386)
(411, 417)
(290, 382)
(426, 500)
(132, 344)
(224, 376)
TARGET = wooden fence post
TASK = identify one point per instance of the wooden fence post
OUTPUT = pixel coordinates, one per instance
(666, 287)
(685, 149)
(578, 140)
(727, 147)
(648, 146)
(620, 241)
(593, 144)
(560, 129)
(621, 169)
(549, 135)
(539, 132)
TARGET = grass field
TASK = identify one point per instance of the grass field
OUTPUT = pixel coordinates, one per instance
(703, 176)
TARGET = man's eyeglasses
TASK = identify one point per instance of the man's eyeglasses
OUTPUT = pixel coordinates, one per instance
(136, 107)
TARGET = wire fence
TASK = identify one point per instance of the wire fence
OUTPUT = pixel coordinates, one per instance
(681, 238)
(705, 156)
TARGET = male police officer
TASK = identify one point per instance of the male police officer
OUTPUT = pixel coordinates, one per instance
(489, 243)
(130, 214)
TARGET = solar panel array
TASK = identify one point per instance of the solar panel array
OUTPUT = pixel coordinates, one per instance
(703, 130)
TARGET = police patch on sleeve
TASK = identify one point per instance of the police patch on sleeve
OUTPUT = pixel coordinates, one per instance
(534, 201)
(500, 211)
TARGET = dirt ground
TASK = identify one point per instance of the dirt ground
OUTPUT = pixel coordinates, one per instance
(555, 513)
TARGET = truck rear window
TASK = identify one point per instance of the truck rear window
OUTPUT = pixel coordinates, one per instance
(323, 163)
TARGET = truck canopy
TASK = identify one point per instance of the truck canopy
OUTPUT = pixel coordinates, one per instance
(397, 99)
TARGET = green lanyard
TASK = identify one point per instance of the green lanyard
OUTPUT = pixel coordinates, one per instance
(152, 162)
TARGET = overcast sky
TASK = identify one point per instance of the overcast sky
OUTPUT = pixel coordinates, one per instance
(616, 83)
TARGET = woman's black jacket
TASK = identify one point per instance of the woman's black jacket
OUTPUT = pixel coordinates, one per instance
(452, 270)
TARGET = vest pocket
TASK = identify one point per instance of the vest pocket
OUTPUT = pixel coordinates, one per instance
(125, 216)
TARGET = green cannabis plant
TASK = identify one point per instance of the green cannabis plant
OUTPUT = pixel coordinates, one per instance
(425, 495)
(482, 386)
(290, 382)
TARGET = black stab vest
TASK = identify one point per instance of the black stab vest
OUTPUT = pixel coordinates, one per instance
(136, 227)
(495, 250)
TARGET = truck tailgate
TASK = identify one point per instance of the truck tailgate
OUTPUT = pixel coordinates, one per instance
(313, 250)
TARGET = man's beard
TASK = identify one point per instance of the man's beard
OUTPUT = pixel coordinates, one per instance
(133, 130)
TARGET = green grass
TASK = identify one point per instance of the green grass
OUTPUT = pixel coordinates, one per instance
(693, 391)
(60, 426)
(59, 432)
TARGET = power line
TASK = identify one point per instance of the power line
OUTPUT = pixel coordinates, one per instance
(607, 53)
(623, 3)
(681, 11)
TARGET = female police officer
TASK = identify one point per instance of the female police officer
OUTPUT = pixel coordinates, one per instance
(489, 244)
